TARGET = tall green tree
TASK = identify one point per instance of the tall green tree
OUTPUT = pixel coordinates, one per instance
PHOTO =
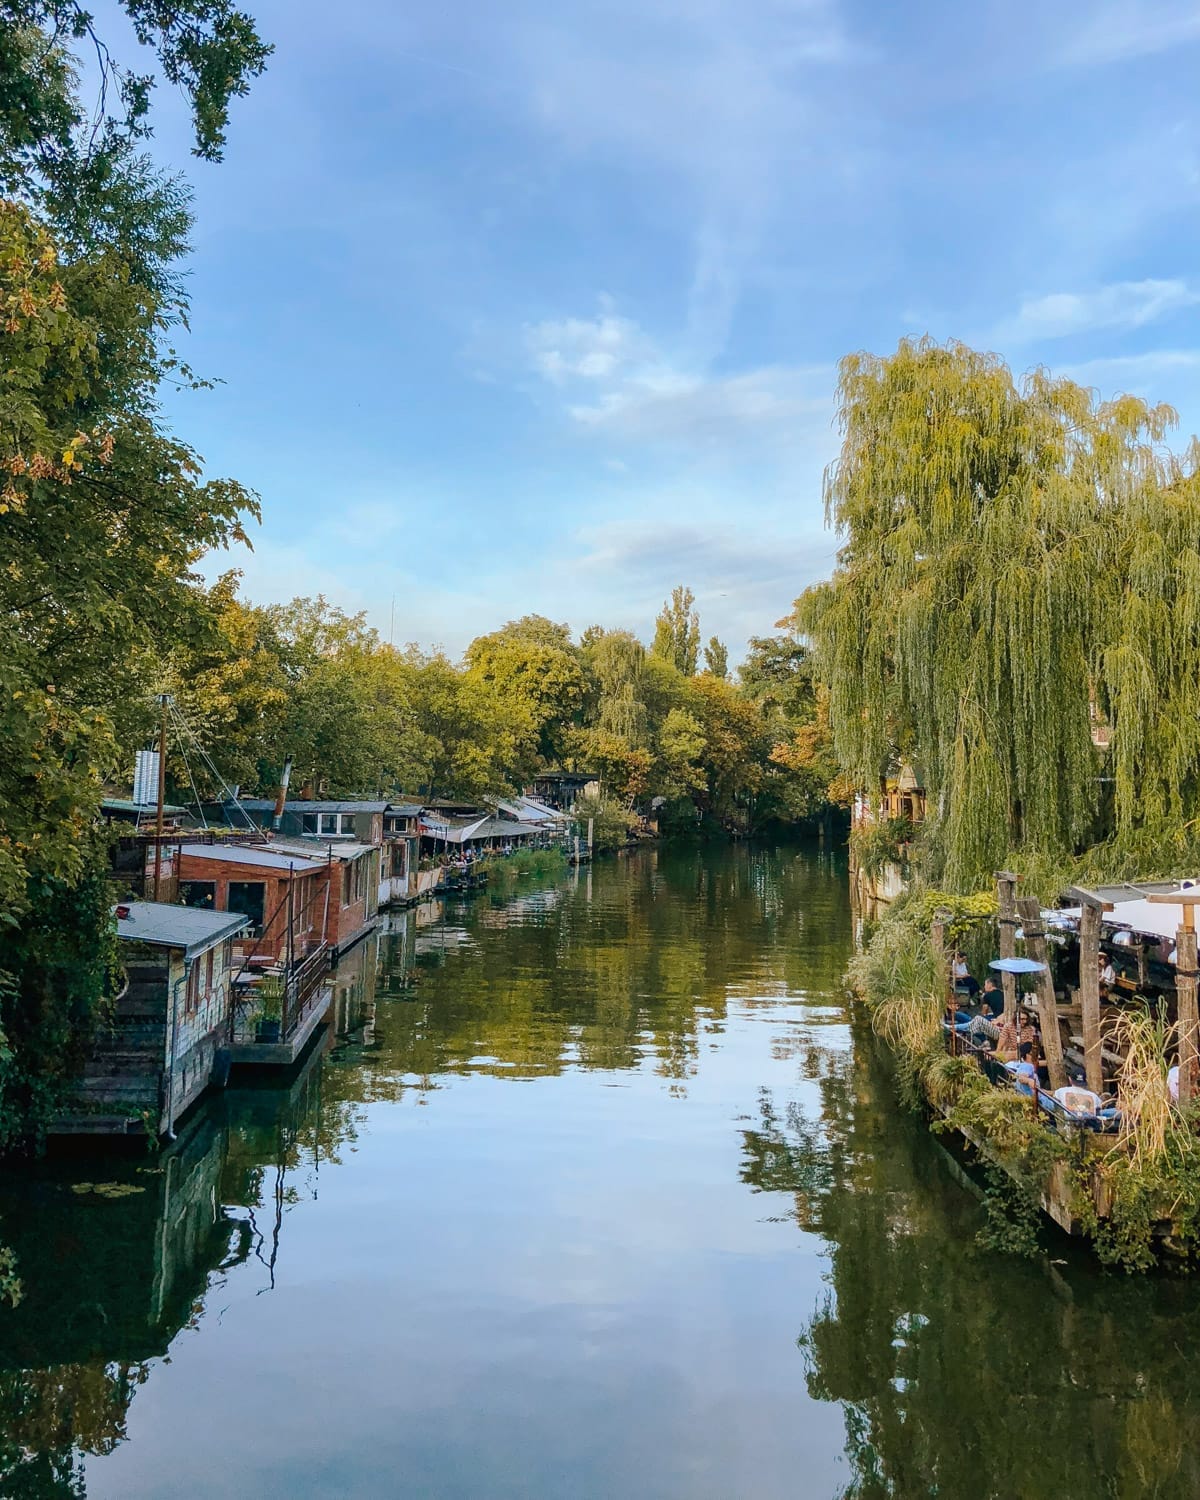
(716, 657)
(102, 511)
(534, 667)
(677, 632)
(1021, 561)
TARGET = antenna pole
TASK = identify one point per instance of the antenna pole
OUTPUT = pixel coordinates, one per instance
(164, 701)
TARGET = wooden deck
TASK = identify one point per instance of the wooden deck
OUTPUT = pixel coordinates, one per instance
(283, 1054)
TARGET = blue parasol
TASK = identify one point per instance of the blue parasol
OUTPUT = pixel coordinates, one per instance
(1018, 966)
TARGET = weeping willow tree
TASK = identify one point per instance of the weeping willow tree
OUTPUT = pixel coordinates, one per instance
(1021, 566)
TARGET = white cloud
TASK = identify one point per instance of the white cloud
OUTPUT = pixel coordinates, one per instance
(1121, 305)
(584, 349)
(617, 382)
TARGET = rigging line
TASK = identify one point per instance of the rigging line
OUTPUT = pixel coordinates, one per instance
(180, 728)
(224, 785)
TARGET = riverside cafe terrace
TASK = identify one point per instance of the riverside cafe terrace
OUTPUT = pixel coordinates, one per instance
(1112, 949)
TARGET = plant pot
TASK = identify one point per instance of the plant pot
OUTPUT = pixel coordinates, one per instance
(269, 1031)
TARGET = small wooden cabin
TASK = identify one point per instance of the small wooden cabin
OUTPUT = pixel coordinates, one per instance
(160, 1051)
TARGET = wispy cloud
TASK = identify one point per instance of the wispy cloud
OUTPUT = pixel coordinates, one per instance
(1120, 31)
(1121, 305)
(617, 382)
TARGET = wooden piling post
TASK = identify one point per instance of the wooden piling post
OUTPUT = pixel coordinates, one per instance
(1185, 985)
(937, 940)
(1006, 903)
(1185, 1003)
(1092, 908)
(1035, 945)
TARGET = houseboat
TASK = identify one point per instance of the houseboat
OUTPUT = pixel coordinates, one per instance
(170, 1026)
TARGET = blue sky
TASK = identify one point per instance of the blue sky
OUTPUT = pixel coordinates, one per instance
(538, 306)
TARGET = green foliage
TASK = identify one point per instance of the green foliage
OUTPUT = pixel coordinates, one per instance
(884, 842)
(716, 657)
(208, 50)
(1020, 562)
(612, 824)
(504, 872)
(103, 512)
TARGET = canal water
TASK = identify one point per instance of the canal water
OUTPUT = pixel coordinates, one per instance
(599, 1189)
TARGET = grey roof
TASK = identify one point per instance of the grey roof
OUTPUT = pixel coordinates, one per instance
(264, 855)
(147, 809)
(486, 828)
(301, 805)
(188, 927)
(318, 848)
(406, 809)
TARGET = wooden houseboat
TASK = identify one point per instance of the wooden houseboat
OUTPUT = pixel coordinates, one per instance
(170, 1025)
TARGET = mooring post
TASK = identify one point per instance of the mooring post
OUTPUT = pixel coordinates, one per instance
(1030, 911)
(1185, 1001)
(1006, 907)
(937, 941)
(1185, 984)
(1091, 912)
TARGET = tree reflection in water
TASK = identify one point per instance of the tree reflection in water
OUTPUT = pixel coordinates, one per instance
(960, 1373)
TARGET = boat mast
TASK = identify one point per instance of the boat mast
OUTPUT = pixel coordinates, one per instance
(164, 700)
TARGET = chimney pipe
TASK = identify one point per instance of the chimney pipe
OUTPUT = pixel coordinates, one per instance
(277, 820)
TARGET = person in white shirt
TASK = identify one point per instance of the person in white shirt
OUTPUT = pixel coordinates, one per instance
(1077, 1100)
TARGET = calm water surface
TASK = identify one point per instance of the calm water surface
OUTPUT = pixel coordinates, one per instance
(597, 1191)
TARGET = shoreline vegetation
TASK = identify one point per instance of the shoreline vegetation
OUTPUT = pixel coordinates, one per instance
(1012, 634)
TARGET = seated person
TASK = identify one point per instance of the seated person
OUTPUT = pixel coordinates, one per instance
(1015, 1033)
(1024, 1071)
(964, 980)
(1108, 975)
(985, 1026)
(1078, 1100)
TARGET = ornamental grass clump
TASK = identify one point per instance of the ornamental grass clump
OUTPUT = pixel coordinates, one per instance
(1151, 1174)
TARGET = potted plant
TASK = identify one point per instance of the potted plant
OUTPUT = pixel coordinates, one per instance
(270, 1003)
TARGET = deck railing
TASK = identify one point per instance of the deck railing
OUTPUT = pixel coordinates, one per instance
(302, 990)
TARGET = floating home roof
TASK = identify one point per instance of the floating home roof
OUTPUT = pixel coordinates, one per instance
(483, 828)
(194, 929)
(1131, 911)
(530, 810)
(318, 848)
(266, 856)
(301, 805)
(140, 809)
(406, 809)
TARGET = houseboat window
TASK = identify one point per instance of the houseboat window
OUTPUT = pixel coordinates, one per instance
(193, 989)
(208, 972)
(248, 897)
(347, 884)
(328, 824)
(198, 893)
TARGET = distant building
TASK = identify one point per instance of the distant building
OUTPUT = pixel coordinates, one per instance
(561, 789)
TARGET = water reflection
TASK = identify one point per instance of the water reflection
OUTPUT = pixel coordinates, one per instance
(960, 1373)
(595, 1189)
(118, 1254)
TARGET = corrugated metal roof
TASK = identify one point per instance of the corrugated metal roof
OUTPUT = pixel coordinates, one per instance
(191, 928)
(265, 856)
(485, 828)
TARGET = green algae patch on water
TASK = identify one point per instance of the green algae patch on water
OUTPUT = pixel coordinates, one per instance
(107, 1189)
